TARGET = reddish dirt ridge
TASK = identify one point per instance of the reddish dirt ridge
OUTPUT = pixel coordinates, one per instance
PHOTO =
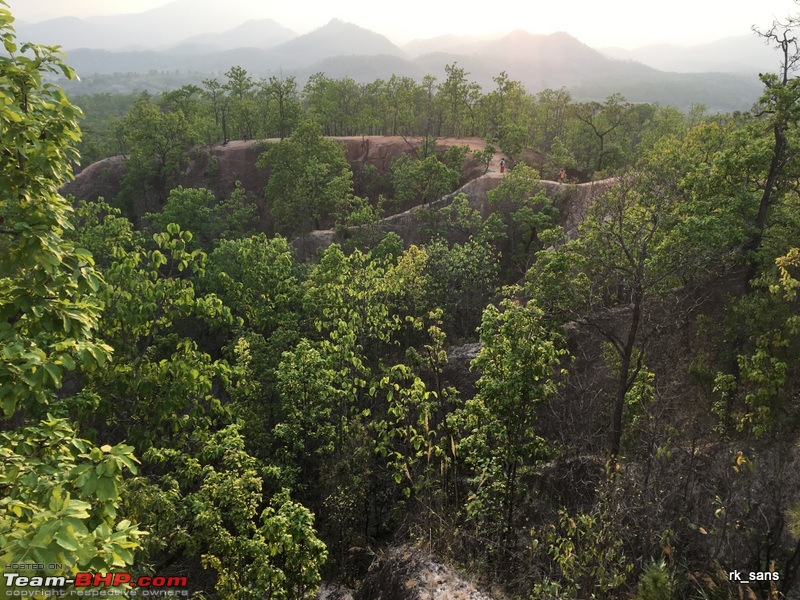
(219, 167)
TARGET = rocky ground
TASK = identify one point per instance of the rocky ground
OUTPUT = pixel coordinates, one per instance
(406, 573)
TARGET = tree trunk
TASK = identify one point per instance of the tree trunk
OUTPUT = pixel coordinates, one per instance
(625, 380)
(770, 188)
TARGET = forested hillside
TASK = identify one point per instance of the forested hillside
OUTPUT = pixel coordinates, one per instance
(572, 376)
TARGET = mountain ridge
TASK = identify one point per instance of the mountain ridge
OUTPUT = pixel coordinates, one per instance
(211, 30)
(336, 38)
(255, 33)
(737, 54)
(342, 49)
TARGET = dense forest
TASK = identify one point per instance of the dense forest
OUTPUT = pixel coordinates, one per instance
(561, 398)
(602, 135)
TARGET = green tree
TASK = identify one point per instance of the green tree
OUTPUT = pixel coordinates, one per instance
(789, 286)
(61, 497)
(237, 215)
(158, 144)
(206, 500)
(527, 213)
(414, 436)
(622, 257)
(48, 310)
(101, 125)
(100, 228)
(486, 155)
(558, 158)
(190, 208)
(197, 210)
(717, 171)
(421, 180)
(256, 277)
(203, 494)
(551, 118)
(508, 103)
(601, 120)
(404, 98)
(589, 554)
(373, 115)
(756, 396)
(60, 493)
(160, 383)
(518, 365)
(334, 103)
(349, 103)
(241, 94)
(713, 174)
(462, 280)
(190, 101)
(185, 100)
(306, 430)
(260, 281)
(360, 221)
(309, 178)
(284, 105)
(431, 112)
(219, 101)
(456, 222)
(457, 98)
(780, 107)
(319, 102)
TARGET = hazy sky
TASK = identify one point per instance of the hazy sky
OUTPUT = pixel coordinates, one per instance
(625, 23)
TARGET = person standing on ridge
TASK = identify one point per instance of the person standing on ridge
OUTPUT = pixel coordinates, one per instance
(502, 165)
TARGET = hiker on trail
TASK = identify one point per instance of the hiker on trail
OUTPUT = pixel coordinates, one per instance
(562, 176)
(502, 165)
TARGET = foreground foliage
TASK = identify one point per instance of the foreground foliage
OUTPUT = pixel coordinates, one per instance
(60, 492)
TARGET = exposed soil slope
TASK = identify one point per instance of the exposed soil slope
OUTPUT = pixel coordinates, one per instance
(409, 574)
(219, 167)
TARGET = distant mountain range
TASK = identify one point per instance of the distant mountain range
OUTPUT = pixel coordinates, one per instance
(337, 38)
(141, 43)
(153, 29)
(740, 54)
(260, 33)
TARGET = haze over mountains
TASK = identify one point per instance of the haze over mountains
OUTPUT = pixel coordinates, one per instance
(739, 54)
(255, 33)
(153, 29)
(144, 43)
